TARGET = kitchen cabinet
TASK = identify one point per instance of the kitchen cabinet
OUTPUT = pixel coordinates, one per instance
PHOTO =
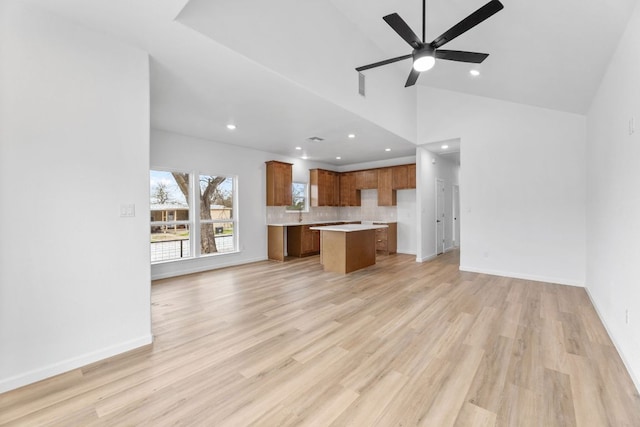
(275, 242)
(279, 181)
(367, 179)
(400, 177)
(411, 176)
(386, 193)
(387, 238)
(325, 187)
(301, 241)
(404, 176)
(349, 195)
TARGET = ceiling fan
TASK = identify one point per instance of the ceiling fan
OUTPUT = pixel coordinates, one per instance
(424, 54)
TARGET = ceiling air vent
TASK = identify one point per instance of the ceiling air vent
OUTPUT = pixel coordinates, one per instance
(315, 139)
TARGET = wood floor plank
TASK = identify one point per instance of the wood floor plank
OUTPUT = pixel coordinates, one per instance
(397, 343)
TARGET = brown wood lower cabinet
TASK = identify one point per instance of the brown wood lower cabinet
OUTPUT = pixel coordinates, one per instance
(301, 241)
(387, 238)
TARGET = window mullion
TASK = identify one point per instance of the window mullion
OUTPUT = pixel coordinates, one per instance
(195, 199)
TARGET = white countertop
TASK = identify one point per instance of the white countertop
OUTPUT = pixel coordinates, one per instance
(346, 228)
(290, 224)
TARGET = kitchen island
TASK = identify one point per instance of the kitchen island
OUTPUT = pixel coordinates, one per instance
(349, 247)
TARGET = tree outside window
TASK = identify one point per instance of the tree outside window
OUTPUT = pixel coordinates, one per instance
(299, 192)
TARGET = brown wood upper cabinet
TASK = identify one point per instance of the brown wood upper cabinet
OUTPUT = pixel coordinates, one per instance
(411, 175)
(279, 180)
(325, 187)
(367, 179)
(404, 176)
(386, 193)
(400, 177)
(349, 195)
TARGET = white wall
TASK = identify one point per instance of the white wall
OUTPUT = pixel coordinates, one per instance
(407, 221)
(430, 167)
(74, 141)
(522, 184)
(613, 202)
(334, 54)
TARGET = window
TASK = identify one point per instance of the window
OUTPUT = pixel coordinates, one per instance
(175, 229)
(217, 223)
(299, 199)
(170, 215)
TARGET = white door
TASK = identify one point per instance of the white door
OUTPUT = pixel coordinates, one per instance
(439, 216)
(456, 216)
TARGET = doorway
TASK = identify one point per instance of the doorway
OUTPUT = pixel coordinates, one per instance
(440, 219)
(456, 216)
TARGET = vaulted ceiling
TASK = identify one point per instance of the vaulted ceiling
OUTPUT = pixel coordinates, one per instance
(283, 70)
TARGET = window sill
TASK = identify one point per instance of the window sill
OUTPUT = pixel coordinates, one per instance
(203, 256)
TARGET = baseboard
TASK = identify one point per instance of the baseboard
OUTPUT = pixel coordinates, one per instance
(636, 380)
(200, 268)
(406, 252)
(535, 278)
(40, 374)
(427, 258)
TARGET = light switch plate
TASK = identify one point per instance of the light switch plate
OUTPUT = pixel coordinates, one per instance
(128, 210)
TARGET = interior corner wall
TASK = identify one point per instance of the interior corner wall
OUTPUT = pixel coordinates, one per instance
(74, 144)
(613, 202)
(522, 184)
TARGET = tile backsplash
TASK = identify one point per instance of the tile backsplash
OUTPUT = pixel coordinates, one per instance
(368, 211)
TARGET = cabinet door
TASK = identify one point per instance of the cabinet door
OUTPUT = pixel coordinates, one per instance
(325, 188)
(386, 193)
(400, 177)
(367, 179)
(335, 200)
(345, 184)
(279, 180)
(310, 240)
(411, 176)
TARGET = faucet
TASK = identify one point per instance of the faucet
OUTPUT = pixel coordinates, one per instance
(299, 216)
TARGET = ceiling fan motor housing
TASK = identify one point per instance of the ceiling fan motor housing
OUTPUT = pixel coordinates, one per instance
(424, 58)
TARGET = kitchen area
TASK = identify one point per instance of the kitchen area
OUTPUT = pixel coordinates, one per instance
(354, 213)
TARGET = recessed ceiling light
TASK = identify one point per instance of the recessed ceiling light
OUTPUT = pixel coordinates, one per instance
(351, 135)
(444, 147)
(338, 158)
(231, 126)
(474, 73)
(387, 149)
(298, 148)
(304, 157)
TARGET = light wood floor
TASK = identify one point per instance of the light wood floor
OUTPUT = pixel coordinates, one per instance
(396, 344)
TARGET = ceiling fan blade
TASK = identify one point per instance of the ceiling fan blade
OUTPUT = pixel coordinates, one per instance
(485, 12)
(403, 30)
(461, 56)
(385, 62)
(413, 77)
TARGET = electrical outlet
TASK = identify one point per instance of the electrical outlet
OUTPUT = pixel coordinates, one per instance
(632, 126)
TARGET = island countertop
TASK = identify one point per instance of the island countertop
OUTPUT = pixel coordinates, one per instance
(346, 228)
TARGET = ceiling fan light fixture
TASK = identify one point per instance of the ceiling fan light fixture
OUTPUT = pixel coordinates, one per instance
(424, 59)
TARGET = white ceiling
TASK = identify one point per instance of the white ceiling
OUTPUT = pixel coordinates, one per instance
(281, 70)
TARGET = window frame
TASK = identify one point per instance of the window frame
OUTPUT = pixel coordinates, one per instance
(233, 220)
(193, 224)
(188, 223)
(305, 209)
